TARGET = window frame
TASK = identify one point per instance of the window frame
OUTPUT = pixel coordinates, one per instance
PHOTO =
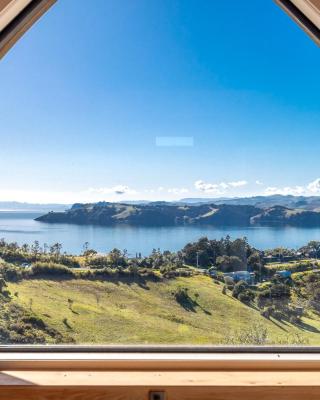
(194, 356)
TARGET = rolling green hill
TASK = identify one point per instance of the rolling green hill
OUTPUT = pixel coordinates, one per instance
(129, 313)
(152, 214)
(170, 214)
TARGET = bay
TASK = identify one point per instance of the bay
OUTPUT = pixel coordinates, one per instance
(20, 227)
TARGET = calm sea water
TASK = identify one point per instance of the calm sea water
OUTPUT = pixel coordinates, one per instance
(20, 227)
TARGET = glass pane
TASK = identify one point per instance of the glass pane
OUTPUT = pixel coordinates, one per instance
(160, 177)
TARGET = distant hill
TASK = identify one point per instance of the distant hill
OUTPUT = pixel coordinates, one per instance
(153, 214)
(18, 206)
(279, 215)
(167, 214)
(300, 202)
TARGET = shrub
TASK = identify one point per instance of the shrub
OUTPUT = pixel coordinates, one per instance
(239, 288)
(246, 297)
(10, 273)
(255, 335)
(98, 262)
(264, 298)
(294, 319)
(183, 298)
(266, 312)
(51, 270)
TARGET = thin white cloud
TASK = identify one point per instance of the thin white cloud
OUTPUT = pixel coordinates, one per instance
(314, 187)
(223, 185)
(218, 188)
(285, 191)
(178, 190)
(211, 188)
(238, 184)
(259, 183)
(124, 192)
(119, 190)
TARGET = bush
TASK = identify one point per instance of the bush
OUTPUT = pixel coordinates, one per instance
(246, 296)
(264, 298)
(254, 335)
(69, 261)
(238, 288)
(184, 299)
(51, 270)
(35, 321)
(19, 326)
(98, 262)
(10, 273)
(181, 295)
(294, 319)
(266, 312)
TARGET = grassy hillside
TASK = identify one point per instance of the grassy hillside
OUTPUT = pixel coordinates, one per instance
(153, 214)
(171, 214)
(120, 313)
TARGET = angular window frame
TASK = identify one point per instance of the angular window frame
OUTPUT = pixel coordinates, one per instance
(216, 360)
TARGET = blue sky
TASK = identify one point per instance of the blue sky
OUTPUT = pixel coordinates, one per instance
(89, 90)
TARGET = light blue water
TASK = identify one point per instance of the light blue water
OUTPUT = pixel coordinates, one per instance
(20, 227)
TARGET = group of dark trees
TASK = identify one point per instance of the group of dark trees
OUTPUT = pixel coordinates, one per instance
(225, 254)
(13, 253)
(311, 249)
(273, 301)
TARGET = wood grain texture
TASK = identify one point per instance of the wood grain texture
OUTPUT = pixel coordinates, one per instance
(7, 40)
(4, 3)
(178, 385)
(100, 361)
(161, 378)
(176, 393)
(175, 365)
(315, 3)
(306, 14)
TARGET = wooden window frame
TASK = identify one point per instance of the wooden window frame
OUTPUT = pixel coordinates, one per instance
(305, 14)
(28, 12)
(78, 373)
(106, 372)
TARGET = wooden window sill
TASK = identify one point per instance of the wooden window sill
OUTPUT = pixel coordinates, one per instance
(177, 385)
(97, 376)
(99, 361)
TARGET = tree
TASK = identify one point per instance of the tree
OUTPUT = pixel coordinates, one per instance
(280, 294)
(238, 288)
(35, 248)
(264, 298)
(89, 253)
(239, 249)
(70, 304)
(229, 263)
(85, 247)
(3, 284)
(25, 248)
(116, 258)
(255, 263)
(55, 249)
